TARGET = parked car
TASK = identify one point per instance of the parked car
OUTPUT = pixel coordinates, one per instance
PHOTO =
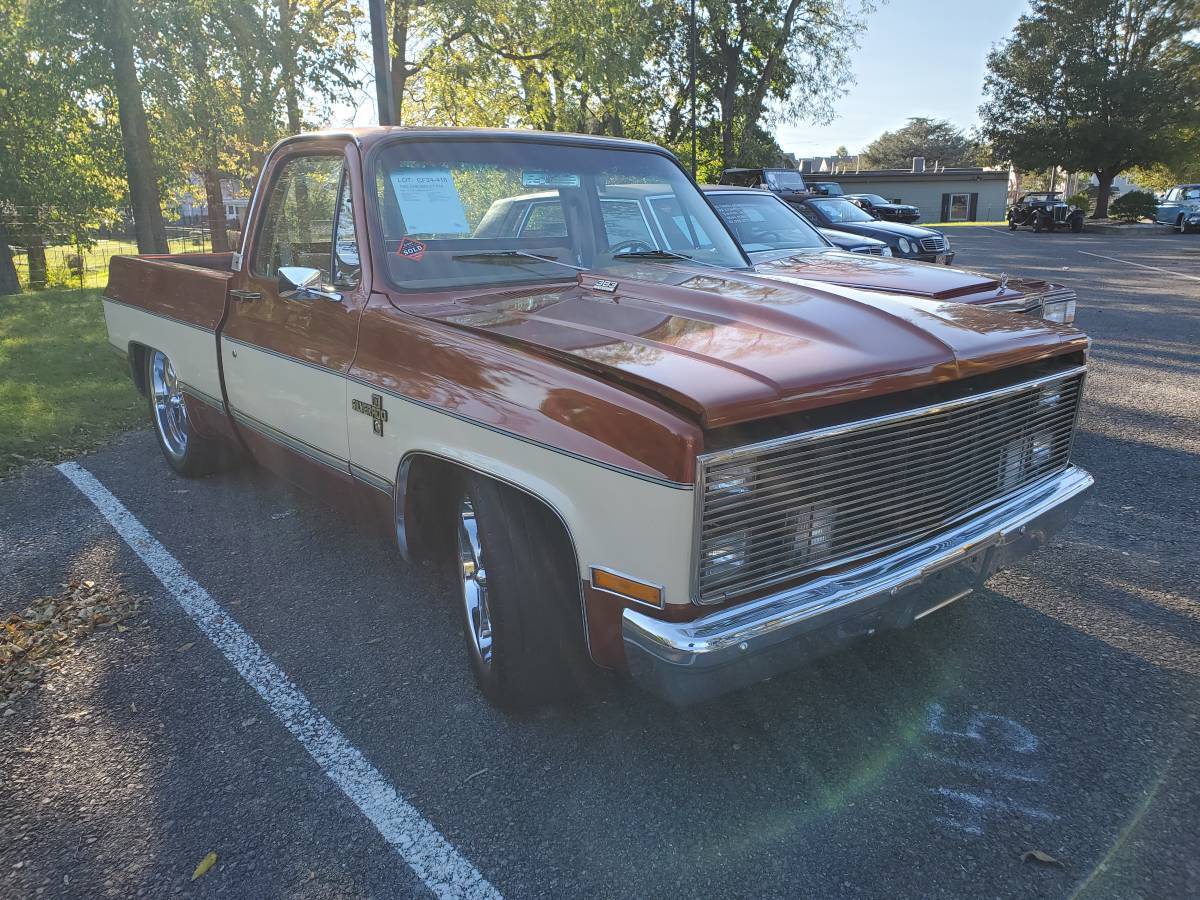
(781, 243)
(826, 188)
(646, 458)
(905, 241)
(785, 182)
(1181, 208)
(1044, 211)
(885, 209)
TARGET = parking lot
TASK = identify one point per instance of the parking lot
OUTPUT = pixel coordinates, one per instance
(1056, 711)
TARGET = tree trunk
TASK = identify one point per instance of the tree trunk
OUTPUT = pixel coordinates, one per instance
(116, 34)
(35, 254)
(9, 282)
(400, 73)
(287, 62)
(1102, 193)
(216, 210)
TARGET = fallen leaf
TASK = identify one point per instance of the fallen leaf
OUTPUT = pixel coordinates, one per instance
(122, 628)
(205, 864)
(184, 648)
(1041, 857)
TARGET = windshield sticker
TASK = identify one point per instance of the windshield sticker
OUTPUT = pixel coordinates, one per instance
(549, 179)
(429, 201)
(410, 249)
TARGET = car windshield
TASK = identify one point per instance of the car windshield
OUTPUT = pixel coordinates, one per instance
(874, 198)
(784, 179)
(458, 212)
(838, 210)
(764, 222)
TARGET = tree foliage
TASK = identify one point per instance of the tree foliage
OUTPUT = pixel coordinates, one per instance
(1095, 85)
(59, 160)
(936, 140)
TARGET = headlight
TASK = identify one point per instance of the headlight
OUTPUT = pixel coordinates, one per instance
(1025, 458)
(811, 526)
(887, 251)
(905, 246)
(731, 481)
(726, 556)
(1060, 311)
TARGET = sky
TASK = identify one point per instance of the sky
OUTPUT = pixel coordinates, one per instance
(917, 58)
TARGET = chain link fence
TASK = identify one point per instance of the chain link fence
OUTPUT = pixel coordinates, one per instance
(45, 259)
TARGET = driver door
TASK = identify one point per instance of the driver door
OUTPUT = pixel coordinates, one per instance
(286, 353)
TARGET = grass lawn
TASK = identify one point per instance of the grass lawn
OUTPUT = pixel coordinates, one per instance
(62, 390)
(94, 259)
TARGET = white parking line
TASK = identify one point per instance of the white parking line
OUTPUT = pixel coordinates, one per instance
(1127, 262)
(431, 857)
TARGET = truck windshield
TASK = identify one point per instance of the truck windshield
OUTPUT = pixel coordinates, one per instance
(461, 213)
(784, 180)
(764, 222)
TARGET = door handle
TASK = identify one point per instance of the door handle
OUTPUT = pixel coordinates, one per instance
(245, 296)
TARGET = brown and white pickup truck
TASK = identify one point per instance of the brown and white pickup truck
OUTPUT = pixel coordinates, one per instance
(635, 453)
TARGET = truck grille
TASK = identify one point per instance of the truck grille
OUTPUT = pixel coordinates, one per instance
(790, 507)
(933, 244)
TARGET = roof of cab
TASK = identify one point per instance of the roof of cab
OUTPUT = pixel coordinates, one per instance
(369, 136)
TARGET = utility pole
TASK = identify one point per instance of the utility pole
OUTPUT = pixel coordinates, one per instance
(383, 79)
(692, 67)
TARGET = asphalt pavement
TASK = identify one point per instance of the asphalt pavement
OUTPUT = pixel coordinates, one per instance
(1054, 712)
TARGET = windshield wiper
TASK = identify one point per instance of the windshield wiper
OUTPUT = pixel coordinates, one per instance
(495, 255)
(665, 254)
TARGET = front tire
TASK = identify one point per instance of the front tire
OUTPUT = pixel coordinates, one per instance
(1181, 224)
(185, 450)
(1012, 225)
(1039, 223)
(518, 591)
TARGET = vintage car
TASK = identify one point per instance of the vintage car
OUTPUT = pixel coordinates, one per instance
(1044, 211)
(781, 243)
(826, 188)
(1180, 208)
(885, 209)
(787, 183)
(648, 459)
(905, 241)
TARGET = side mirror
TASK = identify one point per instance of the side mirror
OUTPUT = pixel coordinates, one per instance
(303, 283)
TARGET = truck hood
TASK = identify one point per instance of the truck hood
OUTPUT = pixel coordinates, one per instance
(880, 273)
(731, 346)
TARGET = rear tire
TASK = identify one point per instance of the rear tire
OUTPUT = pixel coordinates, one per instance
(1039, 224)
(518, 590)
(185, 450)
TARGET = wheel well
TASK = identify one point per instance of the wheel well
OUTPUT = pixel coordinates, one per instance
(137, 366)
(425, 484)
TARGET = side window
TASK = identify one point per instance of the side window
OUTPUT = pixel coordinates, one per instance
(682, 231)
(544, 219)
(347, 270)
(300, 218)
(623, 221)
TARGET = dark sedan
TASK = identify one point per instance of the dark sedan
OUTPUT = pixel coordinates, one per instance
(885, 209)
(780, 222)
(906, 241)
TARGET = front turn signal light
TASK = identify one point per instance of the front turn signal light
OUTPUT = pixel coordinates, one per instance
(624, 586)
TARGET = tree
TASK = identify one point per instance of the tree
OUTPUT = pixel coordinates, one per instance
(115, 24)
(1094, 85)
(1182, 168)
(60, 159)
(934, 139)
(787, 57)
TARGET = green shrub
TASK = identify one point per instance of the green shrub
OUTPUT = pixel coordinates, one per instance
(1133, 206)
(1081, 200)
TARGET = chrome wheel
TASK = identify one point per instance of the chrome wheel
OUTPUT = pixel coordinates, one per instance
(170, 413)
(474, 583)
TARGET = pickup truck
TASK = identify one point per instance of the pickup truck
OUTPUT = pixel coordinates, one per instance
(630, 455)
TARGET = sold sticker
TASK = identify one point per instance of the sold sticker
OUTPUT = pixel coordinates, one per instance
(411, 248)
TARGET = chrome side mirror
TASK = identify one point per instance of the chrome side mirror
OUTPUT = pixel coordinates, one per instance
(302, 283)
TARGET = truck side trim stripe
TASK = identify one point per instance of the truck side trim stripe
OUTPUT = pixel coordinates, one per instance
(159, 315)
(313, 453)
(202, 397)
(445, 412)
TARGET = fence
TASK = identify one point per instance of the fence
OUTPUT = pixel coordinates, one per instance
(82, 261)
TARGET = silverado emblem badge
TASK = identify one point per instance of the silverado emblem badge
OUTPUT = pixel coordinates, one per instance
(374, 409)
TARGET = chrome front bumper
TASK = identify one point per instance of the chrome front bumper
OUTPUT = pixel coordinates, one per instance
(685, 662)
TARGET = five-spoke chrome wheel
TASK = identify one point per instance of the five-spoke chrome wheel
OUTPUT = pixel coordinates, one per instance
(474, 583)
(170, 413)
